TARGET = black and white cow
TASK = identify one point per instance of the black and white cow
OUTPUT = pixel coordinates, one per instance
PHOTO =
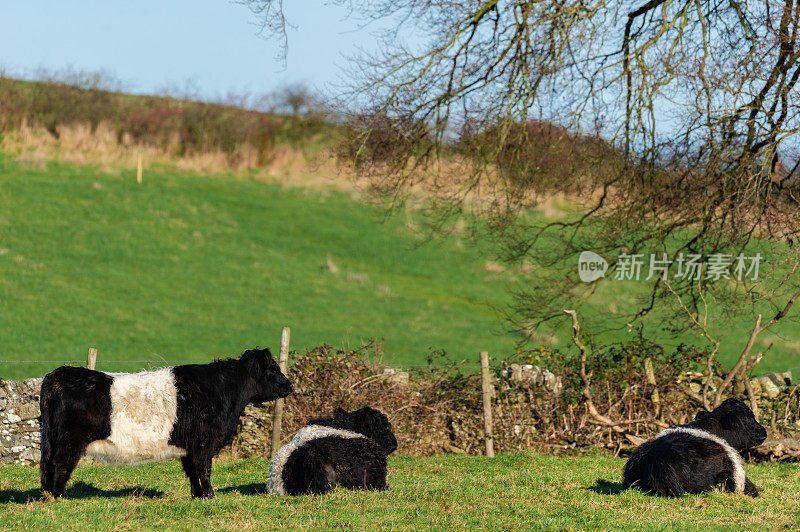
(698, 456)
(348, 449)
(188, 412)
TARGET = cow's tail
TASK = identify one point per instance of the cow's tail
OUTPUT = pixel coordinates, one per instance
(46, 421)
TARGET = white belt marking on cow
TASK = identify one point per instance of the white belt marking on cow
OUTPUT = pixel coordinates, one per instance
(143, 411)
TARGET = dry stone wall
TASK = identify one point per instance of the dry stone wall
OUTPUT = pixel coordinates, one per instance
(436, 423)
(20, 441)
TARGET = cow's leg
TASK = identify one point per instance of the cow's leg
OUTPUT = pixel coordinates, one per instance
(198, 469)
(48, 430)
(191, 473)
(47, 463)
(46, 470)
(375, 477)
(750, 488)
(367, 477)
(64, 462)
(320, 479)
(204, 470)
(320, 476)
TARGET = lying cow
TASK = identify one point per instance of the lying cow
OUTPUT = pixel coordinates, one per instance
(698, 456)
(348, 450)
(188, 412)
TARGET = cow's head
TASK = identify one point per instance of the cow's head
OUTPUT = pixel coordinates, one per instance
(734, 422)
(268, 382)
(371, 423)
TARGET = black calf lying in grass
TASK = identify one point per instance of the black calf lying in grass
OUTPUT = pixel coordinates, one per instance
(348, 449)
(188, 412)
(698, 456)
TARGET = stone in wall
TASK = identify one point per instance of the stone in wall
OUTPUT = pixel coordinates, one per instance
(20, 441)
(539, 376)
(768, 386)
(254, 431)
(395, 376)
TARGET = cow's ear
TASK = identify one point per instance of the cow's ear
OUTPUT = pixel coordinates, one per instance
(257, 354)
(339, 412)
(703, 414)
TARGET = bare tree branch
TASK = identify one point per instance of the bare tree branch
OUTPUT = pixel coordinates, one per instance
(666, 124)
(587, 394)
(743, 358)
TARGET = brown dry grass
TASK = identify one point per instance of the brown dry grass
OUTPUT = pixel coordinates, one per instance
(78, 144)
(285, 165)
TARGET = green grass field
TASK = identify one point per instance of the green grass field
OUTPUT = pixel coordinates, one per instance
(512, 491)
(189, 267)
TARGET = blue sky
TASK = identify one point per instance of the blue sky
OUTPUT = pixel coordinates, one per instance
(211, 45)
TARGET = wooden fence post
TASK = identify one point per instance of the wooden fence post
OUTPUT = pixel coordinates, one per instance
(486, 388)
(277, 416)
(139, 167)
(651, 379)
(91, 358)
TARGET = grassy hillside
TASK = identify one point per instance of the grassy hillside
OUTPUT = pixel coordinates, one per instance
(513, 491)
(190, 267)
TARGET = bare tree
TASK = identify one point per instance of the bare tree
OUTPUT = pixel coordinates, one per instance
(298, 99)
(677, 114)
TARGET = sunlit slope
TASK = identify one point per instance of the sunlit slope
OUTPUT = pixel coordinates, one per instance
(188, 267)
(191, 267)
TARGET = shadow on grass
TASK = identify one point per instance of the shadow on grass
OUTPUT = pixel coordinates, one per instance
(79, 490)
(258, 488)
(606, 487)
